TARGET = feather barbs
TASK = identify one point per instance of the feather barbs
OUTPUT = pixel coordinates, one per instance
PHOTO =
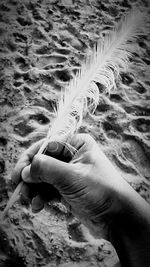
(81, 95)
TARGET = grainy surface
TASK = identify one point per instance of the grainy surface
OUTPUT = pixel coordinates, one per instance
(42, 44)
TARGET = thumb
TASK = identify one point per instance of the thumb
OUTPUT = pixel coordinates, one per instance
(53, 171)
(26, 176)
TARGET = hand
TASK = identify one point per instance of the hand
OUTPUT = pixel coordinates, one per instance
(35, 193)
(89, 183)
(97, 194)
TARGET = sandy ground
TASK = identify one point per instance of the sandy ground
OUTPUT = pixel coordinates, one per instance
(42, 44)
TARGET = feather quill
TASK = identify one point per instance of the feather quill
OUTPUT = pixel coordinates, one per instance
(81, 95)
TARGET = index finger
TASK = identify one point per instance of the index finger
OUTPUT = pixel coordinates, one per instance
(82, 141)
(66, 150)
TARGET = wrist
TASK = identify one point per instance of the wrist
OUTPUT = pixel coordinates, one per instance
(131, 206)
(130, 229)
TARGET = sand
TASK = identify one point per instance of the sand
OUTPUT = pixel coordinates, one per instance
(42, 44)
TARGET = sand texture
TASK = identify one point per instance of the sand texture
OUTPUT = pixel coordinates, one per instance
(42, 45)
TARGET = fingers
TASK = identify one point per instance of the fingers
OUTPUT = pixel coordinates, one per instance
(81, 141)
(25, 195)
(56, 149)
(28, 192)
(45, 194)
(48, 192)
(48, 169)
(66, 152)
(16, 174)
(33, 150)
(37, 204)
(25, 160)
(51, 170)
(60, 151)
(25, 174)
(38, 195)
(85, 147)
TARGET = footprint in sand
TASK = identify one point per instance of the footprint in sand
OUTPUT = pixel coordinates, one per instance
(38, 35)
(116, 98)
(63, 75)
(139, 88)
(29, 123)
(40, 118)
(142, 125)
(20, 38)
(22, 63)
(11, 45)
(126, 78)
(133, 151)
(4, 8)
(137, 109)
(50, 61)
(23, 129)
(75, 232)
(2, 165)
(24, 21)
(112, 130)
(44, 49)
(123, 165)
(3, 141)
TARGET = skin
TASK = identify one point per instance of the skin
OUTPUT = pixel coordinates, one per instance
(97, 194)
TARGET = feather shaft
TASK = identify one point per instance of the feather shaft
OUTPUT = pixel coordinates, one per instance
(82, 93)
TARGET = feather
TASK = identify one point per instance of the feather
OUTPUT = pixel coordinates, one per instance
(81, 95)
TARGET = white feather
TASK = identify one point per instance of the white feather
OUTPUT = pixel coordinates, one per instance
(82, 94)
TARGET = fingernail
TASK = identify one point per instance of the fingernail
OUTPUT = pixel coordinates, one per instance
(37, 204)
(26, 174)
(53, 146)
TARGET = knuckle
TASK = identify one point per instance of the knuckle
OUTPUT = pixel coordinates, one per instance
(88, 138)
